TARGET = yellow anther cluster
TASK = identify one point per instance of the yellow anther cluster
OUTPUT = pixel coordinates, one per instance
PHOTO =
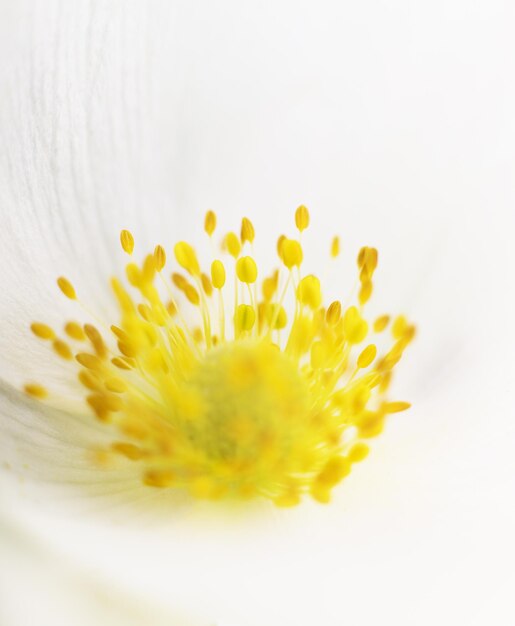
(272, 395)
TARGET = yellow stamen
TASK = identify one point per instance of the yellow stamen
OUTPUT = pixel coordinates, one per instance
(187, 258)
(309, 292)
(35, 390)
(367, 356)
(42, 331)
(159, 258)
(302, 218)
(63, 349)
(335, 247)
(276, 403)
(233, 245)
(381, 323)
(218, 274)
(245, 318)
(247, 231)
(96, 340)
(74, 331)
(66, 287)
(210, 223)
(246, 269)
(396, 407)
(334, 312)
(127, 241)
(291, 252)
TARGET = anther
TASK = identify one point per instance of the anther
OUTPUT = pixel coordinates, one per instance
(291, 252)
(302, 218)
(210, 222)
(74, 331)
(62, 349)
(42, 331)
(367, 356)
(159, 258)
(247, 231)
(35, 390)
(246, 269)
(309, 292)
(233, 245)
(218, 274)
(335, 247)
(127, 241)
(187, 258)
(66, 287)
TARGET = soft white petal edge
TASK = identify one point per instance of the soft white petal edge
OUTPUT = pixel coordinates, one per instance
(42, 586)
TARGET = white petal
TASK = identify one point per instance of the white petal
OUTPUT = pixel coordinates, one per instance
(43, 587)
(394, 124)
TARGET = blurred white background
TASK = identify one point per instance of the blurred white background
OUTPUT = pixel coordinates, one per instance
(394, 123)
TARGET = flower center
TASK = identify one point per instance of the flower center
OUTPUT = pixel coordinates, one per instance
(249, 402)
(263, 397)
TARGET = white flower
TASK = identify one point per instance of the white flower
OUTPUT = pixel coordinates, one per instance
(394, 126)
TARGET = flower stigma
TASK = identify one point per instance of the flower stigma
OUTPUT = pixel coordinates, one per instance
(230, 388)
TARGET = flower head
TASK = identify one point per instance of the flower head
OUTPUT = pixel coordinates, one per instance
(230, 385)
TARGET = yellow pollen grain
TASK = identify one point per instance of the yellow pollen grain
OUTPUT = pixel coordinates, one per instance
(365, 292)
(367, 355)
(210, 222)
(159, 258)
(192, 294)
(217, 274)
(66, 287)
(355, 327)
(279, 246)
(396, 407)
(381, 323)
(146, 312)
(269, 286)
(96, 340)
(334, 313)
(399, 327)
(291, 253)
(42, 331)
(187, 258)
(358, 452)
(244, 318)
(302, 218)
(91, 380)
(333, 472)
(134, 275)
(128, 450)
(233, 245)
(179, 281)
(159, 479)
(127, 241)
(149, 269)
(35, 390)
(335, 247)
(367, 261)
(119, 332)
(90, 361)
(247, 231)
(121, 363)
(246, 269)
(309, 292)
(62, 349)
(74, 331)
(206, 284)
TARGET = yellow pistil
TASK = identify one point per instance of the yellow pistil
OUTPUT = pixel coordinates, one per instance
(271, 397)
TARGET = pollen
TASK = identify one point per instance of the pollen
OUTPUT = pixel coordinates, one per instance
(227, 382)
